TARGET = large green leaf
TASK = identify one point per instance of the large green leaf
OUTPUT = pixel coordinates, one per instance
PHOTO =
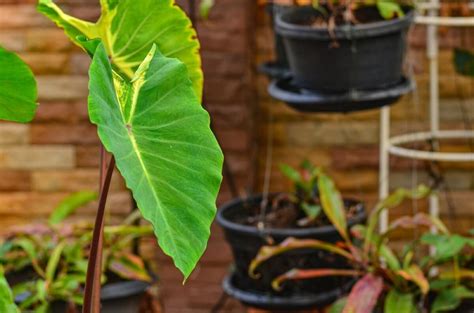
(129, 28)
(164, 148)
(18, 93)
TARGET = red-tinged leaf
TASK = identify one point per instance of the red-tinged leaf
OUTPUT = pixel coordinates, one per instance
(130, 267)
(420, 219)
(392, 201)
(415, 275)
(333, 205)
(364, 295)
(268, 252)
(299, 274)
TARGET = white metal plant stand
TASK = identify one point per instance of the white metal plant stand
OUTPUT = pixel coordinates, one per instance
(393, 145)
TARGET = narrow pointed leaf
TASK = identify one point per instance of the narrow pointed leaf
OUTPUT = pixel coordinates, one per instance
(267, 252)
(129, 28)
(164, 148)
(332, 204)
(415, 274)
(130, 267)
(18, 91)
(364, 295)
(392, 201)
(69, 205)
(300, 274)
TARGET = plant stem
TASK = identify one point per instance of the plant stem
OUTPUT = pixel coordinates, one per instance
(94, 267)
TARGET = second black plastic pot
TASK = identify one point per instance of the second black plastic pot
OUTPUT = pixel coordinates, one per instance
(120, 297)
(368, 55)
(245, 242)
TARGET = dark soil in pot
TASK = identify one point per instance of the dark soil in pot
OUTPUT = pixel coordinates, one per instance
(365, 56)
(239, 217)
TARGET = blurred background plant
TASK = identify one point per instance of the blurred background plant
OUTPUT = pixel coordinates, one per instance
(47, 263)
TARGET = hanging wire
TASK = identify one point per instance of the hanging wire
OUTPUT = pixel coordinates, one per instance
(415, 98)
(268, 172)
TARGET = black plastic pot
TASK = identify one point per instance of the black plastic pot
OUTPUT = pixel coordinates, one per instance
(337, 102)
(368, 55)
(120, 297)
(278, 68)
(245, 242)
(296, 302)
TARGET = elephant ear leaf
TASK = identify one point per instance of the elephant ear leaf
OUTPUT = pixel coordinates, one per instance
(18, 91)
(129, 28)
(164, 148)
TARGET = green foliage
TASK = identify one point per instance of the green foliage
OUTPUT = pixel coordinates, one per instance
(153, 123)
(397, 302)
(69, 205)
(389, 9)
(205, 7)
(407, 279)
(164, 148)
(129, 28)
(450, 298)
(58, 256)
(446, 246)
(315, 193)
(333, 205)
(15, 75)
(7, 304)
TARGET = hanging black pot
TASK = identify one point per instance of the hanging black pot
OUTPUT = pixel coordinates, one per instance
(246, 241)
(367, 56)
(279, 67)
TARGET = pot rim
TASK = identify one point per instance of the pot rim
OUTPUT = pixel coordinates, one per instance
(291, 30)
(224, 222)
(267, 301)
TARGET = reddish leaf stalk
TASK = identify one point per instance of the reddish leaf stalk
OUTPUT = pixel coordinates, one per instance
(94, 268)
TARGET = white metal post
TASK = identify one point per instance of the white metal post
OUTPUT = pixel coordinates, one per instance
(432, 53)
(384, 163)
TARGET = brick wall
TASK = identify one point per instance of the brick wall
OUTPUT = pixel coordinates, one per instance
(58, 153)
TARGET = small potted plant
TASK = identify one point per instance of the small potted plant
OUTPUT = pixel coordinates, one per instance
(337, 46)
(390, 282)
(309, 212)
(55, 257)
